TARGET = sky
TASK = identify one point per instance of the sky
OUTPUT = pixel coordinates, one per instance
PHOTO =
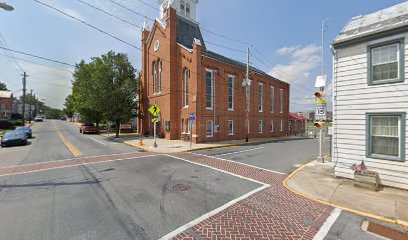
(285, 38)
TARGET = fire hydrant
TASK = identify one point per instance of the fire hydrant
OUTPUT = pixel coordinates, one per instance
(140, 142)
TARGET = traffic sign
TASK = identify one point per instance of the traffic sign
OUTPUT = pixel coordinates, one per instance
(155, 120)
(154, 110)
(192, 117)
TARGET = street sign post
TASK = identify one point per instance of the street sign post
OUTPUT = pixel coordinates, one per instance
(154, 110)
(192, 119)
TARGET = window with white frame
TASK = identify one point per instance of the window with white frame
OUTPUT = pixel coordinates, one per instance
(182, 7)
(260, 126)
(155, 78)
(209, 128)
(281, 100)
(188, 10)
(272, 126)
(386, 64)
(186, 80)
(160, 77)
(272, 99)
(386, 136)
(209, 87)
(231, 80)
(281, 125)
(260, 97)
(230, 127)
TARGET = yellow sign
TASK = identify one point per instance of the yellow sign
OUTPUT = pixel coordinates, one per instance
(155, 120)
(154, 110)
(322, 102)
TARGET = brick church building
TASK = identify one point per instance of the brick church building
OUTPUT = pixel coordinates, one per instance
(182, 76)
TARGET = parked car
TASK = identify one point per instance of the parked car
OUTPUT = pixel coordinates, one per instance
(38, 119)
(88, 128)
(26, 130)
(13, 138)
(63, 119)
(6, 125)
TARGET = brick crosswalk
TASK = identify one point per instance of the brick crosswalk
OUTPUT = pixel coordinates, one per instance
(14, 170)
(273, 213)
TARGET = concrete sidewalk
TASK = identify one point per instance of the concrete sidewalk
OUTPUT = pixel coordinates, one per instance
(173, 146)
(317, 181)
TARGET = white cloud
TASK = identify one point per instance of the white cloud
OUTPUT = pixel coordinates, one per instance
(303, 60)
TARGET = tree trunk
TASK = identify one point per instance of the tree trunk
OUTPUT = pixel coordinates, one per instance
(97, 127)
(117, 129)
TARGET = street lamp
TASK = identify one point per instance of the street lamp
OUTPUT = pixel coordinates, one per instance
(6, 7)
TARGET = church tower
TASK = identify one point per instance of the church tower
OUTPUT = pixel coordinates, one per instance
(184, 8)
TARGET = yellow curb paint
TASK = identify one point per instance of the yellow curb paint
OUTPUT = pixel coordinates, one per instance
(67, 144)
(135, 145)
(358, 212)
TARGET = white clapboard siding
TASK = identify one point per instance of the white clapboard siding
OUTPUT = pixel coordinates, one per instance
(354, 98)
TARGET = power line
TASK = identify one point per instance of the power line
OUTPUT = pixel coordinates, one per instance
(110, 14)
(148, 5)
(35, 56)
(9, 55)
(87, 24)
(129, 9)
(25, 60)
(229, 48)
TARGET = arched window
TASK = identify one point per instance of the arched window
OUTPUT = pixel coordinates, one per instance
(182, 7)
(154, 77)
(188, 10)
(159, 81)
(186, 80)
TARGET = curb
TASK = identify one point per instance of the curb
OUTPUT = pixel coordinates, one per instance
(245, 143)
(136, 146)
(397, 222)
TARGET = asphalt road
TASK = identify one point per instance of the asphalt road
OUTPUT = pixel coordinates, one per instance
(47, 145)
(282, 157)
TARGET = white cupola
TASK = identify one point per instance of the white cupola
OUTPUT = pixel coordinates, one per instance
(184, 8)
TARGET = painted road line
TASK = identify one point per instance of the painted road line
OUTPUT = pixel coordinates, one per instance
(74, 165)
(67, 144)
(321, 234)
(252, 149)
(217, 210)
(97, 141)
(248, 165)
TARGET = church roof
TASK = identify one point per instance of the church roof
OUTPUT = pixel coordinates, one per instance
(187, 31)
(383, 20)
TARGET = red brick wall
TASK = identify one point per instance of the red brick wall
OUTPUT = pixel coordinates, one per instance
(175, 60)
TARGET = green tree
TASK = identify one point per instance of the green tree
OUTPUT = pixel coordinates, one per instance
(84, 95)
(3, 87)
(69, 105)
(115, 81)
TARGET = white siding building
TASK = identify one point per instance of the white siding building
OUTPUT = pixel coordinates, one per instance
(371, 95)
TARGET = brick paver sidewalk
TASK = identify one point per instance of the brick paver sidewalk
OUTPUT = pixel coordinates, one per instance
(273, 213)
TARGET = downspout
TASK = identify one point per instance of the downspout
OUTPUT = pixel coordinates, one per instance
(214, 125)
(334, 99)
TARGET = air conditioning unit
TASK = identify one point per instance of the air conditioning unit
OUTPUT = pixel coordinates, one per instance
(217, 128)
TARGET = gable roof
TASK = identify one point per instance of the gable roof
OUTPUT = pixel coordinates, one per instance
(383, 20)
(187, 31)
(293, 116)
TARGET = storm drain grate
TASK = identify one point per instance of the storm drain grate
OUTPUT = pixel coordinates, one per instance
(181, 187)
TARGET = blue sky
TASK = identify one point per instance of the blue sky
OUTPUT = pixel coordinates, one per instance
(287, 33)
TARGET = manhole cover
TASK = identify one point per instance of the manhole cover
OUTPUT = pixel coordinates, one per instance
(182, 187)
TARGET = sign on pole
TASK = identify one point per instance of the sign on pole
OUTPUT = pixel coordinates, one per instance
(154, 110)
(192, 116)
(320, 81)
(321, 108)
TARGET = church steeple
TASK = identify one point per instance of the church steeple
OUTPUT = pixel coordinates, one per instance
(184, 8)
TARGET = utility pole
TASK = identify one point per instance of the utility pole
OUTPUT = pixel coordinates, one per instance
(247, 86)
(320, 157)
(24, 93)
(31, 108)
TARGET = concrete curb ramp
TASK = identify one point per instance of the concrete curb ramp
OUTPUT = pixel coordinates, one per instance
(358, 212)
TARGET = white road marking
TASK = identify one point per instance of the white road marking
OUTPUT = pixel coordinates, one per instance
(252, 149)
(248, 165)
(74, 165)
(321, 234)
(97, 141)
(217, 210)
